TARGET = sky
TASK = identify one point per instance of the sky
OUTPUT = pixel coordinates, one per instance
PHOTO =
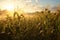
(31, 5)
(51, 2)
(42, 2)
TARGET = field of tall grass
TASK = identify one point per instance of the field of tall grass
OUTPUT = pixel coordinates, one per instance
(44, 25)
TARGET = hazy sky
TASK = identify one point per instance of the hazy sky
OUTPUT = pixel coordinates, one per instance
(42, 2)
(51, 2)
(31, 4)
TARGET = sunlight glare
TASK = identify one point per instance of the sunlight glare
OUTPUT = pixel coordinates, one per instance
(8, 7)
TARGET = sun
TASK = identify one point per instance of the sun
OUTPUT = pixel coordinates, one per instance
(8, 7)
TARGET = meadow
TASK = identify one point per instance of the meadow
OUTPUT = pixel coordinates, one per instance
(44, 25)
